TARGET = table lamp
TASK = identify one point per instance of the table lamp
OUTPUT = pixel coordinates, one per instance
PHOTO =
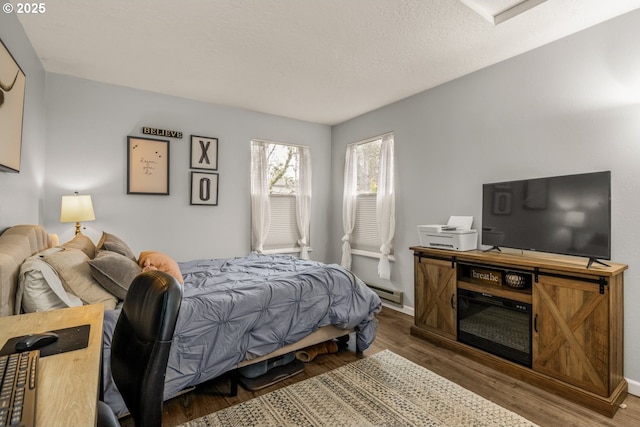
(76, 208)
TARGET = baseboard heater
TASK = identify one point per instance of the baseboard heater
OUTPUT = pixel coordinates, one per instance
(386, 294)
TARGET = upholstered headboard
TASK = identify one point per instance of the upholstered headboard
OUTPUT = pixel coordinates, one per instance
(17, 243)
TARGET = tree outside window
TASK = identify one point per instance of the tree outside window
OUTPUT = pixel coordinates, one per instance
(283, 168)
(368, 166)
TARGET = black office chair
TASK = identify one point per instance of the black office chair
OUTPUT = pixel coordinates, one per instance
(140, 347)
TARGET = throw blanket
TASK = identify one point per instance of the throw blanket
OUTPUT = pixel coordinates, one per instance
(247, 307)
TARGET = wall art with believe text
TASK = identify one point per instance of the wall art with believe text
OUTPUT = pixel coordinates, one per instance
(147, 166)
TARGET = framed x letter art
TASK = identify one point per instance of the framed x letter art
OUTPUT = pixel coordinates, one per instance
(204, 153)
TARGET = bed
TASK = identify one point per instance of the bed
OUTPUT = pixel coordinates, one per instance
(234, 311)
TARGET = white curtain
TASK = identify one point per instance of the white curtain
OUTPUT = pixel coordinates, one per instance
(386, 206)
(303, 199)
(260, 207)
(349, 203)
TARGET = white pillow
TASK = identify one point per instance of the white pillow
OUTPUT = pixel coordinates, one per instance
(40, 288)
(72, 266)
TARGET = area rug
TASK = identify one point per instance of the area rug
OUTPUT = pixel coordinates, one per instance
(380, 390)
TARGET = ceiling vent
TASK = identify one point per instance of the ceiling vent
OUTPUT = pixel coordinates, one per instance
(497, 11)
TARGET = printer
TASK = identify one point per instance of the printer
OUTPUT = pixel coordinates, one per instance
(456, 235)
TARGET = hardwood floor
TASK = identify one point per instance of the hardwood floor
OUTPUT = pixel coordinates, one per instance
(532, 403)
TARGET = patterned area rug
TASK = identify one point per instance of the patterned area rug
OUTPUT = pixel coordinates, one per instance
(380, 390)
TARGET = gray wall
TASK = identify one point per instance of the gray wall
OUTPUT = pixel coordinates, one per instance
(87, 128)
(572, 106)
(22, 194)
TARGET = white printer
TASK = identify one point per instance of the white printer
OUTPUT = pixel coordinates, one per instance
(456, 235)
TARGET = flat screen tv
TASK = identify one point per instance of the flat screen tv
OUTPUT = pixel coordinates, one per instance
(568, 215)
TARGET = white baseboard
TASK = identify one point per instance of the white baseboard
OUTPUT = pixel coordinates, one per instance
(634, 386)
(404, 309)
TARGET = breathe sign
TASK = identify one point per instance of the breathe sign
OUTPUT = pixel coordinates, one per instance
(162, 132)
(491, 277)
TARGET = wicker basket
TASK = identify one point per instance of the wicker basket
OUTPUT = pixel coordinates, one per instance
(515, 280)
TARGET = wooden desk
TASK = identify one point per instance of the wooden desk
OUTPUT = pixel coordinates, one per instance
(68, 383)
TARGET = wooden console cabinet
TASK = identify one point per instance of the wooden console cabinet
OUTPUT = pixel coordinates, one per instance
(576, 318)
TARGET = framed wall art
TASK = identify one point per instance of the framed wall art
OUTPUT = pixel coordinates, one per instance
(502, 203)
(147, 166)
(535, 194)
(204, 153)
(12, 89)
(204, 188)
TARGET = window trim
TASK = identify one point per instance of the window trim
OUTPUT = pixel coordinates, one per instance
(369, 254)
(362, 252)
(288, 247)
(295, 250)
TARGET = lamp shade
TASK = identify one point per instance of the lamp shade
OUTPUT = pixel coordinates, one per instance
(76, 208)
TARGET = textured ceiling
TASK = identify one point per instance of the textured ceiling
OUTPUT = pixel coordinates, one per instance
(323, 61)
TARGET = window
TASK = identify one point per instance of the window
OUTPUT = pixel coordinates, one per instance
(283, 173)
(280, 197)
(369, 201)
(365, 235)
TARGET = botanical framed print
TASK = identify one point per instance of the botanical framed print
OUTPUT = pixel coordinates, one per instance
(147, 166)
(12, 89)
(204, 188)
(204, 152)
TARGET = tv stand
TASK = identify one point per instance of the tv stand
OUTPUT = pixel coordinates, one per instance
(597, 261)
(497, 248)
(577, 318)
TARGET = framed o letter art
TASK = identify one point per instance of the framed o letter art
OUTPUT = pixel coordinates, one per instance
(12, 85)
(204, 188)
(204, 153)
(147, 166)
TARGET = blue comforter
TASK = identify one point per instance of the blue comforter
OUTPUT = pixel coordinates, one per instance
(245, 307)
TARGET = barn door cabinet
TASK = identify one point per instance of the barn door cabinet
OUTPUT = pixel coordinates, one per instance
(436, 297)
(576, 319)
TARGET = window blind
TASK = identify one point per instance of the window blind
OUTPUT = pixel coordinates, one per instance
(365, 234)
(283, 231)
